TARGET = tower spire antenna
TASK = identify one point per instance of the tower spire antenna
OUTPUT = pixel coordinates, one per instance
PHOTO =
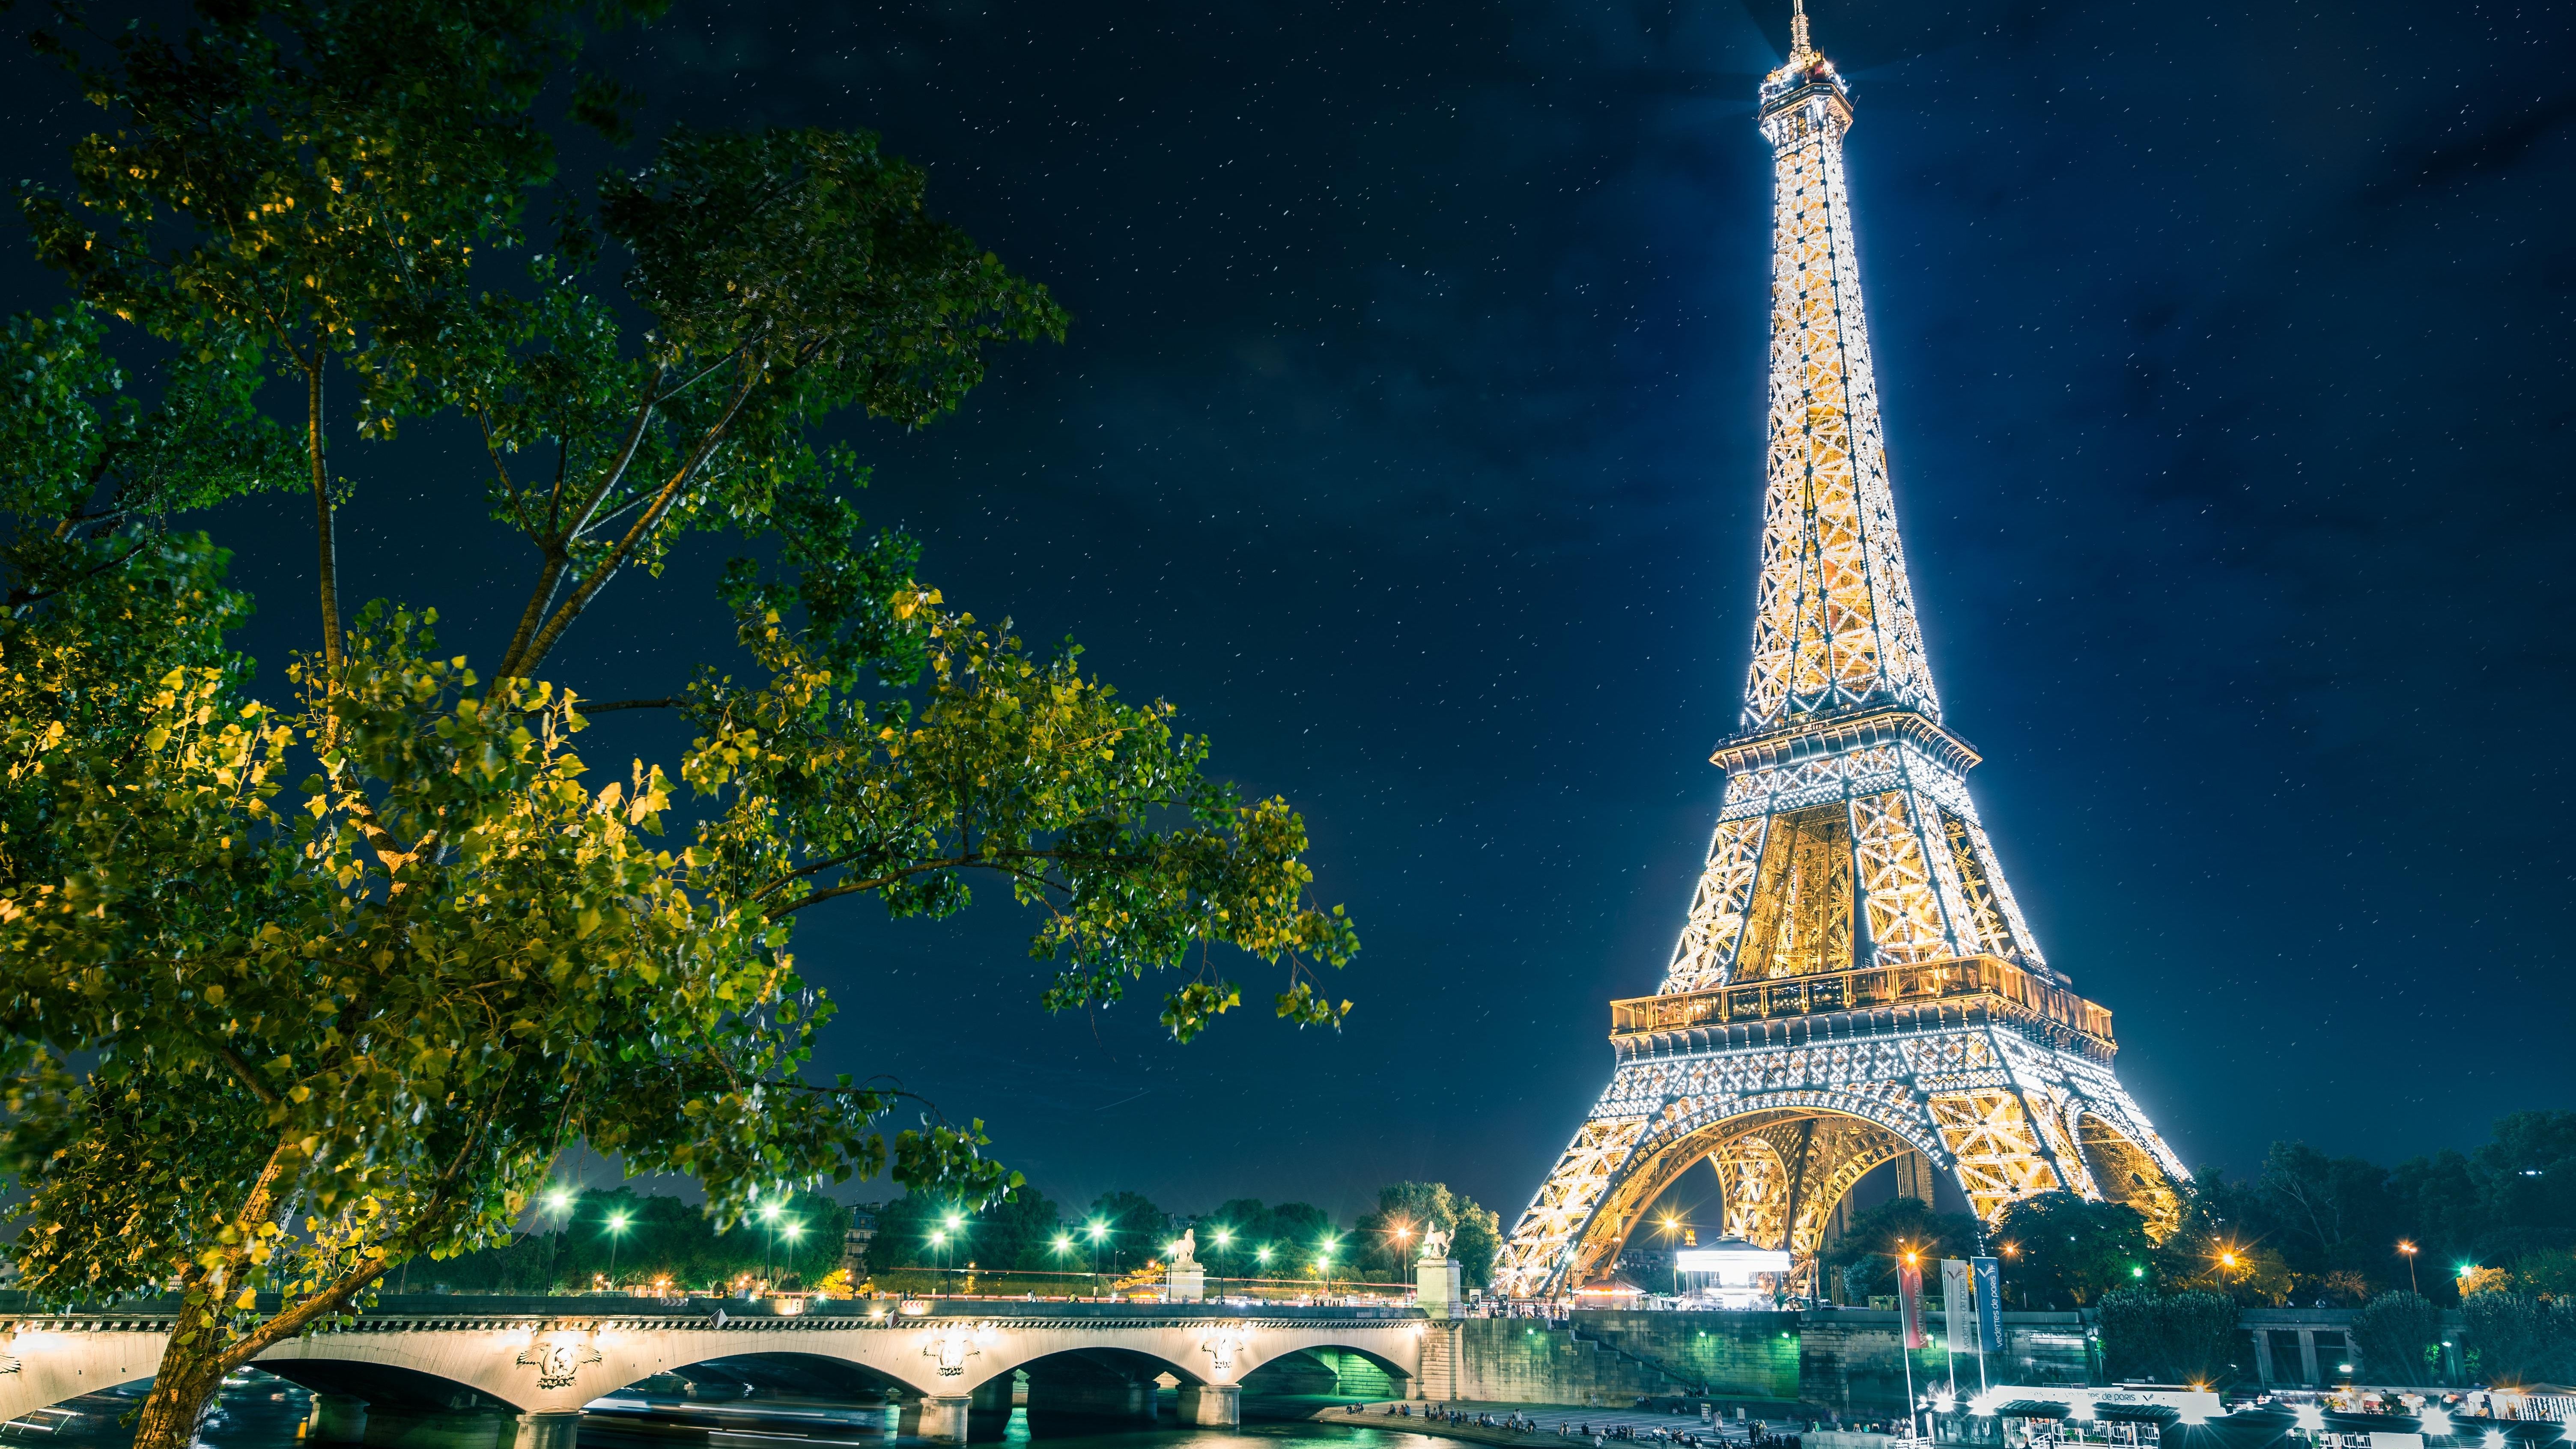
(1798, 43)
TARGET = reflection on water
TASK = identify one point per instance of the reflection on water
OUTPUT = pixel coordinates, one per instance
(260, 1411)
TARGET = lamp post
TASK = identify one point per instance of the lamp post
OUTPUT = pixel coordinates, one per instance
(1222, 1237)
(1098, 1230)
(559, 1202)
(2408, 1248)
(1905, 1349)
(794, 1230)
(1668, 1227)
(616, 1230)
(769, 1245)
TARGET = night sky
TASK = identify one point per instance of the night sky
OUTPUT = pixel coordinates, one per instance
(1409, 439)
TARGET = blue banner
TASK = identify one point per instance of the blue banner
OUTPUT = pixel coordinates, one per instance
(1990, 1303)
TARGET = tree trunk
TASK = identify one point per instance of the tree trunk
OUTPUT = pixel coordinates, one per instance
(192, 1370)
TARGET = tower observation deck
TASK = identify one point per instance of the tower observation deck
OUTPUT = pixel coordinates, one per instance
(1854, 984)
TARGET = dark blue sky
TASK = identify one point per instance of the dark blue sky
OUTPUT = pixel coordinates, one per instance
(1408, 437)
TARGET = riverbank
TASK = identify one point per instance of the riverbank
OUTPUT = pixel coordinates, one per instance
(1643, 1425)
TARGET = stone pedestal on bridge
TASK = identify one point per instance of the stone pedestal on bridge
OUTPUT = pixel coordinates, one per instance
(940, 1418)
(1211, 1406)
(1185, 1285)
(1437, 1286)
(548, 1429)
(338, 1419)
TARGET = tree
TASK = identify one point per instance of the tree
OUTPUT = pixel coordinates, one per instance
(1292, 1233)
(2517, 1339)
(2182, 1338)
(2400, 1337)
(1137, 1231)
(2209, 1251)
(2062, 1251)
(1388, 1239)
(297, 992)
(1870, 1251)
(1479, 1241)
(1230, 1236)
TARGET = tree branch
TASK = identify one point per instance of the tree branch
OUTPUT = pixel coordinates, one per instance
(20, 598)
(241, 1072)
(329, 564)
(585, 707)
(607, 568)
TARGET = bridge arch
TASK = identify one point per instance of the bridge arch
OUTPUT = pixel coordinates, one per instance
(1083, 1363)
(545, 1369)
(1340, 1369)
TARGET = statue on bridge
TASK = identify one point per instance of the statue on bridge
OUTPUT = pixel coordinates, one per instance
(1435, 1244)
(1185, 1253)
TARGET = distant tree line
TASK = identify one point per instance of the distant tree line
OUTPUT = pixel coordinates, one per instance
(2308, 1229)
(638, 1242)
(590, 1240)
(1245, 1238)
(2491, 1232)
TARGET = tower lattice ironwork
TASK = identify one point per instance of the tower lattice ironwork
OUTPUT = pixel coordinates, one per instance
(1854, 985)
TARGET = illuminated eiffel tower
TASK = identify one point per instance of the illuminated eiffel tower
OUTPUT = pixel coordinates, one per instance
(1855, 985)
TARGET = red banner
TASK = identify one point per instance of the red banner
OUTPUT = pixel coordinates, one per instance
(1909, 1302)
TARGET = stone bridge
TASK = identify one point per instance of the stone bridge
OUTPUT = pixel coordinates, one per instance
(544, 1358)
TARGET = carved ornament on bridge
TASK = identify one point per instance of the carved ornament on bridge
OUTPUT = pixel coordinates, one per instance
(949, 1347)
(1222, 1346)
(558, 1355)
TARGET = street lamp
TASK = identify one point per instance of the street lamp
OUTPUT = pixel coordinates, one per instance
(1668, 1226)
(1222, 1237)
(2408, 1248)
(1098, 1230)
(793, 1230)
(616, 1230)
(769, 1247)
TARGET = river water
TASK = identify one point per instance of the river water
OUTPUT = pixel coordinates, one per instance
(257, 1411)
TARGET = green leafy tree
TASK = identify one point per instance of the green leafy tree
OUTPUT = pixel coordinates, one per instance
(2181, 1338)
(1135, 1232)
(1871, 1250)
(300, 990)
(1478, 1243)
(2400, 1336)
(2061, 1251)
(1388, 1239)
(1230, 1236)
(1291, 1232)
(2519, 1339)
(2208, 1251)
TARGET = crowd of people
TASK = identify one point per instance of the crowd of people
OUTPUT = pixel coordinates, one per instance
(1757, 1434)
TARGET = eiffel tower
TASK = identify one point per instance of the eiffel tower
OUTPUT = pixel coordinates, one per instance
(1855, 985)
